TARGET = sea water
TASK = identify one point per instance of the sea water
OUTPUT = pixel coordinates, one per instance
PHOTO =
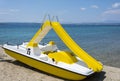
(100, 41)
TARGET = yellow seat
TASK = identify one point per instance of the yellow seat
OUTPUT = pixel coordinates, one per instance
(63, 56)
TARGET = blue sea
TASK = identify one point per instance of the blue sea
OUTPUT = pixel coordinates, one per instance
(100, 41)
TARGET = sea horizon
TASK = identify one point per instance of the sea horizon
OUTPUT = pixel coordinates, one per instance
(81, 23)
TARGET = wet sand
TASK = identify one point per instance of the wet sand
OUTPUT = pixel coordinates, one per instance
(13, 70)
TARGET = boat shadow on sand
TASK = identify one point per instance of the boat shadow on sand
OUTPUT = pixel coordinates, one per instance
(95, 77)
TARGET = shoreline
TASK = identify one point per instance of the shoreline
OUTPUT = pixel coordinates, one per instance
(13, 70)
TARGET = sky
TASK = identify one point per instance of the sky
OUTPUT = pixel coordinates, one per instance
(68, 11)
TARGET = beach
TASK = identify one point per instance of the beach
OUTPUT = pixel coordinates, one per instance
(13, 70)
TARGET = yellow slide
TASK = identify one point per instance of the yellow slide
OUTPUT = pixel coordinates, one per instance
(90, 61)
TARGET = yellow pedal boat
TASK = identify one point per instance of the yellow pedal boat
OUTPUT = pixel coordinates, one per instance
(50, 59)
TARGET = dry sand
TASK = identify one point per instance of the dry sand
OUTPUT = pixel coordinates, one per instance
(12, 70)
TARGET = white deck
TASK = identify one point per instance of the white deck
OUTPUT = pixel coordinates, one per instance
(78, 67)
